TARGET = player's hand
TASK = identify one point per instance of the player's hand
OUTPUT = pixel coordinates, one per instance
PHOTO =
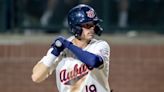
(62, 42)
(57, 47)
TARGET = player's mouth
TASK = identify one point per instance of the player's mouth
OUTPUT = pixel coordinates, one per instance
(91, 34)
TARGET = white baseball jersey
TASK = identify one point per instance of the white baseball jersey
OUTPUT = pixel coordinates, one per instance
(72, 75)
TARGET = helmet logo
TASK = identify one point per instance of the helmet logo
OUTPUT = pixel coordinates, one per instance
(90, 14)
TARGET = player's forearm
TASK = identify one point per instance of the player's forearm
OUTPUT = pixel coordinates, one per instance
(40, 72)
(42, 68)
(86, 57)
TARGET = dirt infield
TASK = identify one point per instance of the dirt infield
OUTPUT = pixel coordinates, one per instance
(133, 68)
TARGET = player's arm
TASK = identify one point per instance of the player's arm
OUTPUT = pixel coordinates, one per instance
(102, 49)
(86, 57)
(40, 72)
(43, 68)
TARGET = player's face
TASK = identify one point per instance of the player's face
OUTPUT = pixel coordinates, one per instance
(88, 31)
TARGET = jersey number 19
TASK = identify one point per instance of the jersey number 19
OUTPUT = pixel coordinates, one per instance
(90, 88)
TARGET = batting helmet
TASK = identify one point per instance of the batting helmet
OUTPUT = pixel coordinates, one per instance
(81, 14)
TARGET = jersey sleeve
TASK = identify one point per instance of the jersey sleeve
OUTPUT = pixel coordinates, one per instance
(102, 49)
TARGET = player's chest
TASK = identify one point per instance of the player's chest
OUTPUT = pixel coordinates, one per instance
(71, 70)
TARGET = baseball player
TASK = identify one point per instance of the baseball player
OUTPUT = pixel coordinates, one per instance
(81, 62)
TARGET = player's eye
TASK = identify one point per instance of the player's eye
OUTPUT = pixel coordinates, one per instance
(88, 25)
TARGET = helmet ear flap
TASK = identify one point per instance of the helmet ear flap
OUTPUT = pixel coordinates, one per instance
(77, 31)
(98, 30)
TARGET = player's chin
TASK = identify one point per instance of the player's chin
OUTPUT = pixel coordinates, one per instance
(91, 36)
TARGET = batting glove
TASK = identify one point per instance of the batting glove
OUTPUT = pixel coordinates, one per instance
(57, 47)
(62, 42)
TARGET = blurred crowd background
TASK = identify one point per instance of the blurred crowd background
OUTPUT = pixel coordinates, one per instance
(49, 16)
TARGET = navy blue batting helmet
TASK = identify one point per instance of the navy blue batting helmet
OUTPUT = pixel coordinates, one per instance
(81, 14)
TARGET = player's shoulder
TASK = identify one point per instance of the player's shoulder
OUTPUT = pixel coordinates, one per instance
(99, 42)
